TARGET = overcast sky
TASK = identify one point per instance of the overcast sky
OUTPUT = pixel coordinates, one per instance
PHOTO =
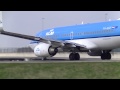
(31, 22)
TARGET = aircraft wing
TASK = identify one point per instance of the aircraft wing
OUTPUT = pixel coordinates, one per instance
(49, 41)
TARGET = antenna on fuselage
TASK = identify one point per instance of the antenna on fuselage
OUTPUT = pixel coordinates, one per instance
(82, 22)
(109, 19)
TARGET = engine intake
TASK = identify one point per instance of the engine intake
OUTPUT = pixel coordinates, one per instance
(52, 51)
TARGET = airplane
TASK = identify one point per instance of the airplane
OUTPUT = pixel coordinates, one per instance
(96, 39)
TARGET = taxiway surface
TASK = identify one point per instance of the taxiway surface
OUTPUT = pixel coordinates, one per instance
(54, 60)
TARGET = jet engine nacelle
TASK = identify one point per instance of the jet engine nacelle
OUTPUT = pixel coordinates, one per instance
(45, 50)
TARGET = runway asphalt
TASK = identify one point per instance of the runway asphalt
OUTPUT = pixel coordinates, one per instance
(53, 60)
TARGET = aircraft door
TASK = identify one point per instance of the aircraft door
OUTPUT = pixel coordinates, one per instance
(71, 35)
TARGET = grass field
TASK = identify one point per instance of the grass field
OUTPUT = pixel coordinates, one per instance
(82, 70)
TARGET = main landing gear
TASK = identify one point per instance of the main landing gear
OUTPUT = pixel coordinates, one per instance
(106, 55)
(74, 56)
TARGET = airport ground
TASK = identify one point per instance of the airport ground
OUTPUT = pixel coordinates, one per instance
(58, 67)
(60, 57)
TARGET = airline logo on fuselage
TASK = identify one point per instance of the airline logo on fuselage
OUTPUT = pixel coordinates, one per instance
(51, 32)
(107, 28)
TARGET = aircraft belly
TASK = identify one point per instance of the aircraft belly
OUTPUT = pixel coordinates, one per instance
(107, 42)
(103, 43)
(85, 42)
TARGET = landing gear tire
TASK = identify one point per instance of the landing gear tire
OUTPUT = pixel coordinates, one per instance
(105, 56)
(108, 56)
(74, 56)
(71, 56)
(77, 56)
